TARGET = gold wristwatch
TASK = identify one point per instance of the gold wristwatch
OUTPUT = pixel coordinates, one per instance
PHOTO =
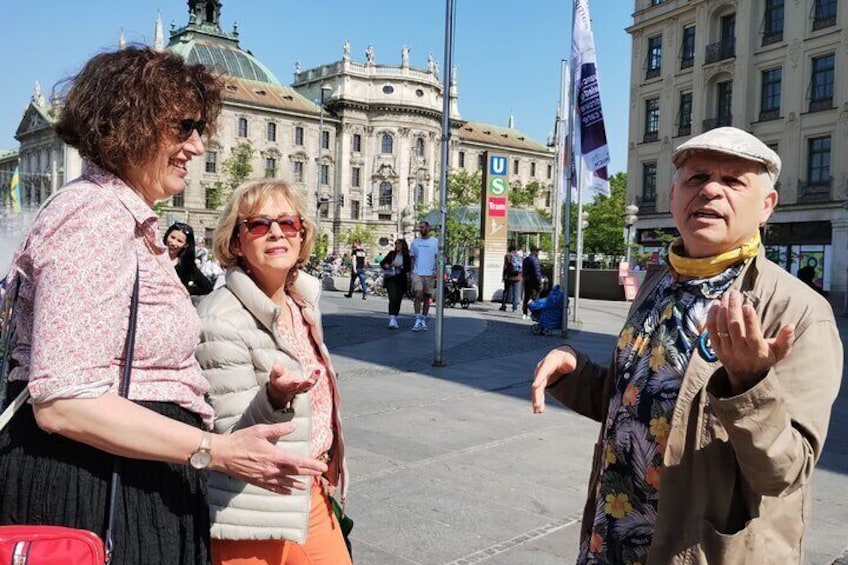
(202, 456)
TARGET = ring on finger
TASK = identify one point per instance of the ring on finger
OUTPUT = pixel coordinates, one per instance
(722, 334)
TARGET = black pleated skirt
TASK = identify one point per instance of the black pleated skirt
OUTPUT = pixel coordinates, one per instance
(162, 516)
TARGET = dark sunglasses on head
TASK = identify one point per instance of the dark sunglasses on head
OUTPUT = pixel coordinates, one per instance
(261, 225)
(187, 126)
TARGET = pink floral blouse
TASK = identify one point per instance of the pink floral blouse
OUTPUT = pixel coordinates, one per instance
(77, 272)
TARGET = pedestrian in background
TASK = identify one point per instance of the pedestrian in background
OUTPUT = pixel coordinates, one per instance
(716, 405)
(136, 116)
(179, 239)
(397, 265)
(263, 352)
(531, 276)
(359, 262)
(511, 275)
(424, 250)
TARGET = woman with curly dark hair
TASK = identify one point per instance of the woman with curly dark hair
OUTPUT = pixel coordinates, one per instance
(179, 239)
(137, 117)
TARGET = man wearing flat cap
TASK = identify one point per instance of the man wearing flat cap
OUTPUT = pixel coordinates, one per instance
(715, 405)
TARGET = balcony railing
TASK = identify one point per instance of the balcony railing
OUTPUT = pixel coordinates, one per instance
(721, 50)
(773, 37)
(823, 22)
(647, 203)
(821, 104)
(816, 191)
(718, 122)
(684, 130)
(686, 62)
(650, 136)
(653, 73)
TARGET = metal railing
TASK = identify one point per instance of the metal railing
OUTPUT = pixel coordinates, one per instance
(687, 62)
(652, 73)
(720, 50)
(823, 22)
(684, 130)
(721, 121)
(821, 104)
(768, 115)
(650, 136)
(773, 37)
(647, 203)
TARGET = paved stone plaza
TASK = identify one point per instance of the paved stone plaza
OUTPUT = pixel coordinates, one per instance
(449, 466)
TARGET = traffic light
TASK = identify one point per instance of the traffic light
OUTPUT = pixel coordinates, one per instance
(341, 199)
(369, 200)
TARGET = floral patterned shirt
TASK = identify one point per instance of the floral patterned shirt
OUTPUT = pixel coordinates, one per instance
(300, 344)
(652, 354)
(76, 277)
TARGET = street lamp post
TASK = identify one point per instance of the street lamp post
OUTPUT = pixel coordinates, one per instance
(325, 90)
(630, 218)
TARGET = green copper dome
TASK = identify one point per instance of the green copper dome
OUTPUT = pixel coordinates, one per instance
(203, 41)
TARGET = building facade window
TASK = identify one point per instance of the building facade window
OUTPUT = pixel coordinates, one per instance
(724, 107)
(684, 116)
(824, 14)
(298, 135)
(354, 209)
(649, 185)
(481, 162)
(773, 22)
(770, 96)
(385, 194)
(462, 159)
(550, 171)
(357, 143)
(818, 160)
(270, 167)
(297, 171)
(821, 87)
(271, 132)
(533, 169)
(355, 177)
(325, 139)
(211, 162)
(515, 166)
(387, 144)
(324, 174)
(209, 198)
(652, 120)
(178, 200)
(242, 127)
(419, 147)
(654, 63)
(725, 47)
(419, 194)
(687, 47)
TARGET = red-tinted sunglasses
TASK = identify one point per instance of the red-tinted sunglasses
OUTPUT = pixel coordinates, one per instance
(187, 126)
(261, 225)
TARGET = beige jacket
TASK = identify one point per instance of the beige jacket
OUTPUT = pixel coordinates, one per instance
(239, 345)
(736, 483)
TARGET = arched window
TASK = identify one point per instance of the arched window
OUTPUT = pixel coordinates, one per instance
(242, 127)
(385, 194)
(387, 144)
(419, 147)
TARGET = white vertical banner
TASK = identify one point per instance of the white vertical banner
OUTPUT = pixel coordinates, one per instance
(590, 138)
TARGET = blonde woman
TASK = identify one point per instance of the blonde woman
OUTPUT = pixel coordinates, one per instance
(262, 351)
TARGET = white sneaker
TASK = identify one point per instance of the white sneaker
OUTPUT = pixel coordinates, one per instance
(416, 327)
(393, 323)
(524, 316)
(423, 324)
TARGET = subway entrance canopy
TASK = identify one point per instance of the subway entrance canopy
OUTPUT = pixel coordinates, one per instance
(519, 220)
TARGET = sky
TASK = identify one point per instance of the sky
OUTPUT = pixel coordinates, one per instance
(507, 52)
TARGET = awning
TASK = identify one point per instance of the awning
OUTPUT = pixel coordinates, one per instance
(519, 220)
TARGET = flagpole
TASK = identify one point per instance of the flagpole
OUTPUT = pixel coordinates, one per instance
(564, 132)
(579, 266)
(558, 182)
(450, 19)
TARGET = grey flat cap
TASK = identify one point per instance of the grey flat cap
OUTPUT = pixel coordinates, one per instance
(730, 141)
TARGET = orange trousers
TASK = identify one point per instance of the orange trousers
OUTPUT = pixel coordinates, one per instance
(324, 543)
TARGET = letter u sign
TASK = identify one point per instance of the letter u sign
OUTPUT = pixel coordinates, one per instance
(497, 165)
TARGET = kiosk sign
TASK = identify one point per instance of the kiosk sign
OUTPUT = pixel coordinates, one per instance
(494, 223)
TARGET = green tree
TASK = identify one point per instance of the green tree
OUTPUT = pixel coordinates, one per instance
(360, 232)
(236, 169)
(606, 220)
(525, 196)
(463, 239)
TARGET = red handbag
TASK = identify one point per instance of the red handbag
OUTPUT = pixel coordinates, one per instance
(50, 545)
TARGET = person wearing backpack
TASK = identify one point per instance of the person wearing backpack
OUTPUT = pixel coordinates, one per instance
(511, 278)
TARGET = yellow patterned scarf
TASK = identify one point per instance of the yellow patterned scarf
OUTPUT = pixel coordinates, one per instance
(705, 267)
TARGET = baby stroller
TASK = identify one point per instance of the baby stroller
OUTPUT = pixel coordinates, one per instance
(455, 282)
(547, 312)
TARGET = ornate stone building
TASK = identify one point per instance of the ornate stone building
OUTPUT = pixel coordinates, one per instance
(774, 68)
(375, 161)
